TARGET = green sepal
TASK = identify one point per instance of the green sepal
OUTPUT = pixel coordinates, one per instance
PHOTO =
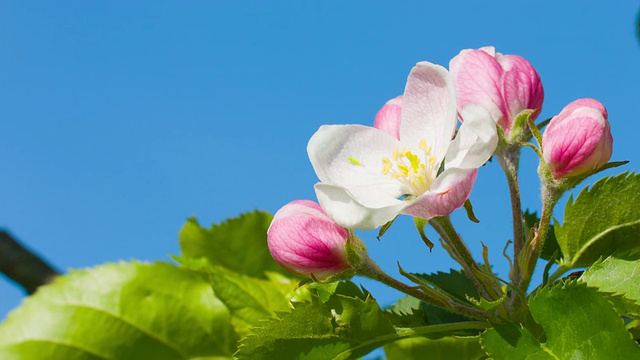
(469, 209)
(420, 225)
(385, 227)
(519, 126)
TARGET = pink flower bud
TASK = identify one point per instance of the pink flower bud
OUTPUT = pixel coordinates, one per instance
(504, 85)
(305, 241)
(578, 140)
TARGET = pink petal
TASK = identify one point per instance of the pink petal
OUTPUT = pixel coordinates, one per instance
(477, 77)
(388, 117)
(448, 193)
(521, 86)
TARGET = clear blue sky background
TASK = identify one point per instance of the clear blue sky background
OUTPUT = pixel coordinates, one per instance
(119, 120)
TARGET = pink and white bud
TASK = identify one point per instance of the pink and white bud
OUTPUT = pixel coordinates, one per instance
(306, 242)
(388, 117)
(505, 85)
(578, 140)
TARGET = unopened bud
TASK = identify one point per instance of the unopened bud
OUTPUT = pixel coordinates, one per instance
(306, 242)
(578, 140)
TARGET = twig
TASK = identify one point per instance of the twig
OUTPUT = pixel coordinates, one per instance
(23, 266)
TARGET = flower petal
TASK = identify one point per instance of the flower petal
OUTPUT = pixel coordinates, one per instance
(476, 140)
(449, 192)
(477, 76)
(429, 109)
(388, 117)
(521, 86)
(347, 155)
(343, 207)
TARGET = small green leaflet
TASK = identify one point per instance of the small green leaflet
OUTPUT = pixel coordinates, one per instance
(238, 244)
(342, 328)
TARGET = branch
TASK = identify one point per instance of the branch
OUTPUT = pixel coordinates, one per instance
(22, 266)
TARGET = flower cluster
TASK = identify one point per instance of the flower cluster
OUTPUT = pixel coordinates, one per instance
(422, 155)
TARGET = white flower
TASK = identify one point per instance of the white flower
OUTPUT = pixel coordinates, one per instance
(368, 176)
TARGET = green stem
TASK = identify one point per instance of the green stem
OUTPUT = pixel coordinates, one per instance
(370, 269)
(432, 329)
(509, 161)
(445, 228)
(550, 196)
(404, 333)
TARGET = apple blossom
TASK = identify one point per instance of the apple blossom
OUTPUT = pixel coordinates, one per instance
(578, 140)
(504, 85)
(368, 175)
(305, 241)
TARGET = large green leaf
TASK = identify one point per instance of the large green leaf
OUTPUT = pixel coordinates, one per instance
(120, 311)
(446, 348)
(602, 220)
(579, 323)
(621, 279)
(238, 244)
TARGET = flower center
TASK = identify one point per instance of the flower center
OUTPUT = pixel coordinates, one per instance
(414, 171)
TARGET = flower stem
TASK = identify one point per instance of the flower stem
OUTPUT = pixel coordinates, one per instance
(463, 256)
(368, 268)
(550, 196)
(509, 160)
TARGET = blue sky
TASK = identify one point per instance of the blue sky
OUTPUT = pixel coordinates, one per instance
(120, 120)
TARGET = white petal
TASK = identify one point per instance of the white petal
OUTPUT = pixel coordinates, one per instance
(429, 109)
(348, 212)
(476, 140)
(347, 155)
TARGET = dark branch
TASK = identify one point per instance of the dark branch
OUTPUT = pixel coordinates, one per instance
(22, 266)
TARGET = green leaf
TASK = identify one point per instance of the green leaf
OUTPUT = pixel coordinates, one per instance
(446, 348)
(602, 220)
(551, 243)
(579, 323)
(252, 300)
(407, 312)
(238, 244)
(120, 311)
(621, 279)
(455, 283)
(342, 328)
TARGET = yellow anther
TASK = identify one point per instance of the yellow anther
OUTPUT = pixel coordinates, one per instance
(386, 166)
(414, 161)
(404, 170)
(413, 170)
